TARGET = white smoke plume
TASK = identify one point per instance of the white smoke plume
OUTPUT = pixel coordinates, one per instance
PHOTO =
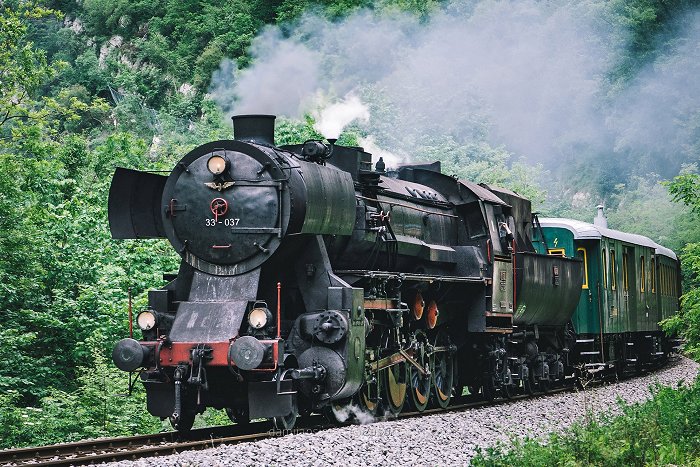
(528, 76)
(283, 83)
(391, 159)
(332, 119)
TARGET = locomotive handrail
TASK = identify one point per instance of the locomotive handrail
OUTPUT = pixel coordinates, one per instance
(249, 230)
(262, 182)
(410, 276)
(393, 203)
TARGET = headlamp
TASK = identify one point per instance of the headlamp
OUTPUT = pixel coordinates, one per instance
(216, 165)
(146, 320)
(258, 318)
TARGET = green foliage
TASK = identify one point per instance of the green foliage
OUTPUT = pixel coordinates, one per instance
(643, 206)
(290, 10)
(293, 131)
(649, 24)
(64, 278)
(31, 122)
(687, 323)
(24, 68)
(685, 188)
(661, 431)
(98, 407)
(170, 43)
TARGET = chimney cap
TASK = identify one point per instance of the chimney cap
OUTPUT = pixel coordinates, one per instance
(256, 128)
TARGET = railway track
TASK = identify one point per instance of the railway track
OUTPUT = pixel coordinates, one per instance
(135, 447)
(160, 444)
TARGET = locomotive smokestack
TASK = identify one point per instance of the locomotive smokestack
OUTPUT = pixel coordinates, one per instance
(600, 220)
(254, 128)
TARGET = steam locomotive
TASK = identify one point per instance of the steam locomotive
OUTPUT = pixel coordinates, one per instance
(310, 279)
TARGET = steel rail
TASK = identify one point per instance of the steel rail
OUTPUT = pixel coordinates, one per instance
(132, 447)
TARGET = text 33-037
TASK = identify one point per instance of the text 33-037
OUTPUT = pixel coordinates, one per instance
(231, 222)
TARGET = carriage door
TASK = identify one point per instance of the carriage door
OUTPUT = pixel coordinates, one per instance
(588, 321)
(629, 279)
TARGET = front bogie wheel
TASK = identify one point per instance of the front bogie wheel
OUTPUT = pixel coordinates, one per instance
(488, 389)
(184, 423)
(527, 386)
(287, 422)
(239, 416)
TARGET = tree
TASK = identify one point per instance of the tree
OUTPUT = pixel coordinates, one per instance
(685, 188)
(23, 68)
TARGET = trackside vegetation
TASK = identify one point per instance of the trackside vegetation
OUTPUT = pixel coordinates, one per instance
(661, 431)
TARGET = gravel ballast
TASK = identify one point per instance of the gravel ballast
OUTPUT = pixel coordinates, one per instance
(441, 439)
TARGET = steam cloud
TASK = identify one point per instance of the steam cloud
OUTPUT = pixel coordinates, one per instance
(331, 120)
(529, 76)
(355, 413)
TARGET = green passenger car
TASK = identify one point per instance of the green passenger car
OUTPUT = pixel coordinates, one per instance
(630, 284)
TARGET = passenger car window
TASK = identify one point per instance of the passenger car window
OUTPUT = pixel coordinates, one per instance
(613, 271)
(581, 254)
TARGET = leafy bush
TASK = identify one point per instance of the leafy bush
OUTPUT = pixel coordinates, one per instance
(97, 408)
(661, 431)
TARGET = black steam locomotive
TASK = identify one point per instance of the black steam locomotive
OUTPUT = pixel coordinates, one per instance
(310, 279)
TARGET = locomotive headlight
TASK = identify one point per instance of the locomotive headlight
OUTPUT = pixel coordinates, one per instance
(216, 165)
(258, 318)
(146, 320)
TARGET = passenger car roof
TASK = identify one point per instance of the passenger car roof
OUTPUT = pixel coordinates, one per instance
(586, 231)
